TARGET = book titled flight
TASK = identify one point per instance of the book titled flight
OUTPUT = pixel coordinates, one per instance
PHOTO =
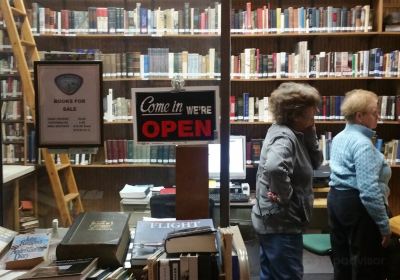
(28, 250)
(66, 269)
(191, 240)
(97, 234)
(150, 236)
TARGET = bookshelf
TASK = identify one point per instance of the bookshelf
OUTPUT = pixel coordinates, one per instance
(114, 45)
(16, 124)
(273, 54)
(136, 53)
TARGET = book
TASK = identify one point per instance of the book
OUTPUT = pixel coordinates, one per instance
(28, 250)
(191, 240)
(6, 237)
(151, 263)
(150, 236)
(97, 234)
(63, 269)
(135, 191)
(99, 274)
(225, 250)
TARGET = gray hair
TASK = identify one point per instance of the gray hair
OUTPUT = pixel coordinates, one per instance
(291, 99)
(357, 100)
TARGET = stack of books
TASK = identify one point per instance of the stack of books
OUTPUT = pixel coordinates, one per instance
(27, 219)
(184, 249)
(135, 200)
(392, 22)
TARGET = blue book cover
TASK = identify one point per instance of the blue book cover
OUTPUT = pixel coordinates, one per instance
(398, 155)
(246, 96)
(379, 144)
(143, 20)
(28, 250)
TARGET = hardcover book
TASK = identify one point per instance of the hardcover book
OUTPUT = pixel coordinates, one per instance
(66, 269)
(191, 240)
(97, 234)
(28, 250)
(150, 236)
(135, 191)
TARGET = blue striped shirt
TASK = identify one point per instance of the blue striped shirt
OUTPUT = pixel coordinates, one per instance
(356, 163)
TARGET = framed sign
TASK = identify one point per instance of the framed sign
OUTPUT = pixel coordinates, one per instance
(186, 117)
(69, 107)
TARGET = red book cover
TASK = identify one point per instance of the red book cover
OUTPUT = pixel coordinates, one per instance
(232, 101)
(168, 191)
(203, 21)
(108, 151)
(64, 21)
(248, 15)
(259, 18)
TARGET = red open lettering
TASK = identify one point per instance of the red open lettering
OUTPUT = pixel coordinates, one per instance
(151, 129)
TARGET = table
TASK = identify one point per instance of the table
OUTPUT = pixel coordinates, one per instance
(12, 175)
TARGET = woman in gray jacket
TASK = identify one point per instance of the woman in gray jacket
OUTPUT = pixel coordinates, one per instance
(284, 181)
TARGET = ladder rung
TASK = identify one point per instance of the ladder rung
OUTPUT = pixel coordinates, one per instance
(17, 12)
(70, 196)
(27, 43)
(62, 166)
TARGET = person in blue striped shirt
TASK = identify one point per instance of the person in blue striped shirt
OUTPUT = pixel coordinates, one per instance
(356, 201)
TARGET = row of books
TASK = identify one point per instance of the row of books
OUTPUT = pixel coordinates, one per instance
(12, 110)
(10, 87)
(165, 154)
(125, 151)
(252, 109)
(140, 20)
(5, 44)
(302, 64)
(116, 109)
(389, 149)
(251, 64)
(194, 20)
(301, 19)
(12, 132)
(13, 153)
(13, 148)
(161, 62)
(8, 64)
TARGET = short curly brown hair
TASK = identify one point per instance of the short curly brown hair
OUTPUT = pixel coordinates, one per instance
(290, 100)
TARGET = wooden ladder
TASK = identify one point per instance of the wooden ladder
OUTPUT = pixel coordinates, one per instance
(25, 52)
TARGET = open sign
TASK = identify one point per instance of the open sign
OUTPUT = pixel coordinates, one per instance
(186, 117)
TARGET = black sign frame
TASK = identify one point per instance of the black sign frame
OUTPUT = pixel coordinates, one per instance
(67, 117)
(187, 117)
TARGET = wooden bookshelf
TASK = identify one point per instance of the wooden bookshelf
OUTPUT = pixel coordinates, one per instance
(268, 43)
(351, 41)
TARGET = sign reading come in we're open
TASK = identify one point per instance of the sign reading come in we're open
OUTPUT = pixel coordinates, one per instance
(185, 117)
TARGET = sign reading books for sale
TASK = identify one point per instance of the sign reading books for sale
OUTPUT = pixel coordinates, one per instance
(69, 105)
(189, 116)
